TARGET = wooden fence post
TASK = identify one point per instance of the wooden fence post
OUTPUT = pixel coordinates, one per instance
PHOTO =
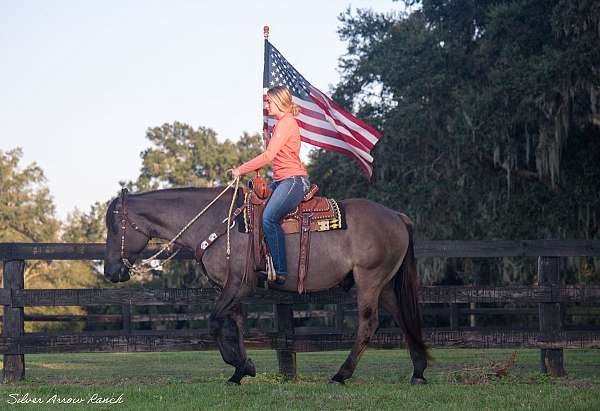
(453, 316)
(284, 317)
(550, 318)
(13, 325)
(126, 315)
(339, 317)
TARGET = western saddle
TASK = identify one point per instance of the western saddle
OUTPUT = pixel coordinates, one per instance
(312, 214)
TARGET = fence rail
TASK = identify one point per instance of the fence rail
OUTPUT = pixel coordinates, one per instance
(199, 340)
(170, 296)
(549, 298)
(423, 249)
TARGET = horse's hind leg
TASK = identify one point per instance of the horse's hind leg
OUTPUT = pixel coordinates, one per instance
(226, 325)
(368, 321)
(389, 302)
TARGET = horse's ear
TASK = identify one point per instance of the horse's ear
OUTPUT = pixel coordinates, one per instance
(124, 192)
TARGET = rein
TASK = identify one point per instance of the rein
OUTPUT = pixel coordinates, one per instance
(145, 265)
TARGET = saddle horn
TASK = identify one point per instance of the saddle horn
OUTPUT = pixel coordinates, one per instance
(259, 186)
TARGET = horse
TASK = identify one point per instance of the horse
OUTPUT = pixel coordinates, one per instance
(375, 253)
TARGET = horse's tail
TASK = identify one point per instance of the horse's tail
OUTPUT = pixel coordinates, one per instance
(406, 287)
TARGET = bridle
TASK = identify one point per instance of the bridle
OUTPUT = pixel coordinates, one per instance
(125, 221)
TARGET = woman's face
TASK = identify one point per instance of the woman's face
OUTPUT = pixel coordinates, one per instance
(272, 109)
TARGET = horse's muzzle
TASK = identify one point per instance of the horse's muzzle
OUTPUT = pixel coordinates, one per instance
(116, 272)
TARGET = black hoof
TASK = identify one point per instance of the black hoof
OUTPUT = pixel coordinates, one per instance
(418, 381)
(336, 381)
(248, 370)
(123, 276)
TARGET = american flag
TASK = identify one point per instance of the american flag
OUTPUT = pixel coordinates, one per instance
(322, 122)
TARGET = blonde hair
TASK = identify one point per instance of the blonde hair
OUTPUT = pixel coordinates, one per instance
(282, 98)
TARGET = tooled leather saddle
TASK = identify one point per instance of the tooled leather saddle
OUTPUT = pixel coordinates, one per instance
(312, 214)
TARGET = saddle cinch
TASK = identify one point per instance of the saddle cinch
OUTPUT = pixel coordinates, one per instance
(312, 214)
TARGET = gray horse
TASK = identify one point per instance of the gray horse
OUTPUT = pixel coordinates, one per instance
(376, 251)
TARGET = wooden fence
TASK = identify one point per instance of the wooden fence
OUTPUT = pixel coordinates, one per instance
(548, 300)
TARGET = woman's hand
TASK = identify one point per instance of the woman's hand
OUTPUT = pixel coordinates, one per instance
(236, 172)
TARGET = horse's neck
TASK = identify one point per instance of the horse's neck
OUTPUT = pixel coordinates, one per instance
(165, 218)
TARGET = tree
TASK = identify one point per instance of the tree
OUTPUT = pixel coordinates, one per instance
(90, 227)
(490, 125)
(26, 208)
(183, 156)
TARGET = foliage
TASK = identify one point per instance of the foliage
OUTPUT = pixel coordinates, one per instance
(26, 208)
(490, 118)
(82, 227)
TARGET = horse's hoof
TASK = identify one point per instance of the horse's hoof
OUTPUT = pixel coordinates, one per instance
(250, 368)
(232, 383)
(418, 381)
(335, 382)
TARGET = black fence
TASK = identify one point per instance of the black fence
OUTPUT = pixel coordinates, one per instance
(275, 315)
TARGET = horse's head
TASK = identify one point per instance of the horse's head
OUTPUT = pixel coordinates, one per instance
(124, 239)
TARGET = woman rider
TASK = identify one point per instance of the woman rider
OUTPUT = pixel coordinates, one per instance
(290, 179)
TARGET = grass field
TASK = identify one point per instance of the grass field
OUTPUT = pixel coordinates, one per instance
(459, 380)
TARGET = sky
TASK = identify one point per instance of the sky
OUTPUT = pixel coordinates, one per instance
(82, 81)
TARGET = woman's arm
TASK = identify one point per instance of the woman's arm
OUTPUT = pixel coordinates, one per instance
(281, 134)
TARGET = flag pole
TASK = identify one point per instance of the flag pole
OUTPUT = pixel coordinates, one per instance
(265, 75)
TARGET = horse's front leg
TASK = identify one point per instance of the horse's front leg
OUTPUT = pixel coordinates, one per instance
(227, 326)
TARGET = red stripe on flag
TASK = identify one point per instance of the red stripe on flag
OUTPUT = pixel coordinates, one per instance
(314, 114)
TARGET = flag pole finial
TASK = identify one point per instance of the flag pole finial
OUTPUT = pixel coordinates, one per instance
(266, 32)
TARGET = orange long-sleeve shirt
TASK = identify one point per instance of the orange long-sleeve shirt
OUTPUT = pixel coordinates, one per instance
(283, 150)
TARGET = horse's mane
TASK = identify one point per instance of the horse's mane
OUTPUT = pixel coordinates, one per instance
(176, 190)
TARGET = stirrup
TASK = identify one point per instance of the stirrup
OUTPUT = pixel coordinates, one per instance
(279, 279)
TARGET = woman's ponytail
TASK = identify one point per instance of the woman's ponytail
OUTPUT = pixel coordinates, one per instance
(295, 109)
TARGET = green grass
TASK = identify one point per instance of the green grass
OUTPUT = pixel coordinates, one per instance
(459, 380)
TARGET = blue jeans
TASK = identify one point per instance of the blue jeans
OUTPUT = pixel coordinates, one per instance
(287, 194)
